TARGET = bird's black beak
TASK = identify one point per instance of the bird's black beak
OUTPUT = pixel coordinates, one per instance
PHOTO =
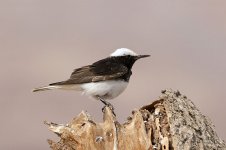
(141, 56)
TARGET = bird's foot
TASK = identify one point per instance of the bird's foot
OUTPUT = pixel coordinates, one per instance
(107, 104)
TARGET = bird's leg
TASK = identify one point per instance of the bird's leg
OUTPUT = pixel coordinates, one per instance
(107, 104)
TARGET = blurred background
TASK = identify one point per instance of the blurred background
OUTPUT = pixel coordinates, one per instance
(43, 41)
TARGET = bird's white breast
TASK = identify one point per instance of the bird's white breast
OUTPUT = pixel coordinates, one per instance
(110, 88)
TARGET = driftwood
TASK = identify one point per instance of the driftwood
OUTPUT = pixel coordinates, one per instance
(171, 122)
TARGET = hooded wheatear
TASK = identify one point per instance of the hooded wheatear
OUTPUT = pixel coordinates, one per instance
(104, 79)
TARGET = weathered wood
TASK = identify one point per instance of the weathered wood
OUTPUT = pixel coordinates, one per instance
(171, 122)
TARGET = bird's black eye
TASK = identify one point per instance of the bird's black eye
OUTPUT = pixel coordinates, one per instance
(129, 56)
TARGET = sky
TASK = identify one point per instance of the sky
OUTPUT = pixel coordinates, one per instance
(43, 41)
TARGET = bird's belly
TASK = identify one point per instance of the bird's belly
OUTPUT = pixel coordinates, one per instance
(104, 89)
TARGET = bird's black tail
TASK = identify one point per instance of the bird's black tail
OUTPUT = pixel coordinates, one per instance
(45, 88)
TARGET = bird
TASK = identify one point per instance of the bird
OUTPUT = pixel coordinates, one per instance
(104, 79)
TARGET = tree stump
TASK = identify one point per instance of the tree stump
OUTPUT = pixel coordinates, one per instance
(172, 122)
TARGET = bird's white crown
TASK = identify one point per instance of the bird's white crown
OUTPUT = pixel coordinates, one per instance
(123, 52)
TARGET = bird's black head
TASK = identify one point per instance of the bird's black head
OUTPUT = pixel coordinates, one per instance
(127, 56)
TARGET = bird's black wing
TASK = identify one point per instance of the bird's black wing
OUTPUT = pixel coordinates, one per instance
(100, 71)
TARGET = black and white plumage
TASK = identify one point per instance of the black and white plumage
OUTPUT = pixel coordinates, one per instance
(104, 79)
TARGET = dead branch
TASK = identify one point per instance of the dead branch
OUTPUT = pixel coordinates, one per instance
(172, 122)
